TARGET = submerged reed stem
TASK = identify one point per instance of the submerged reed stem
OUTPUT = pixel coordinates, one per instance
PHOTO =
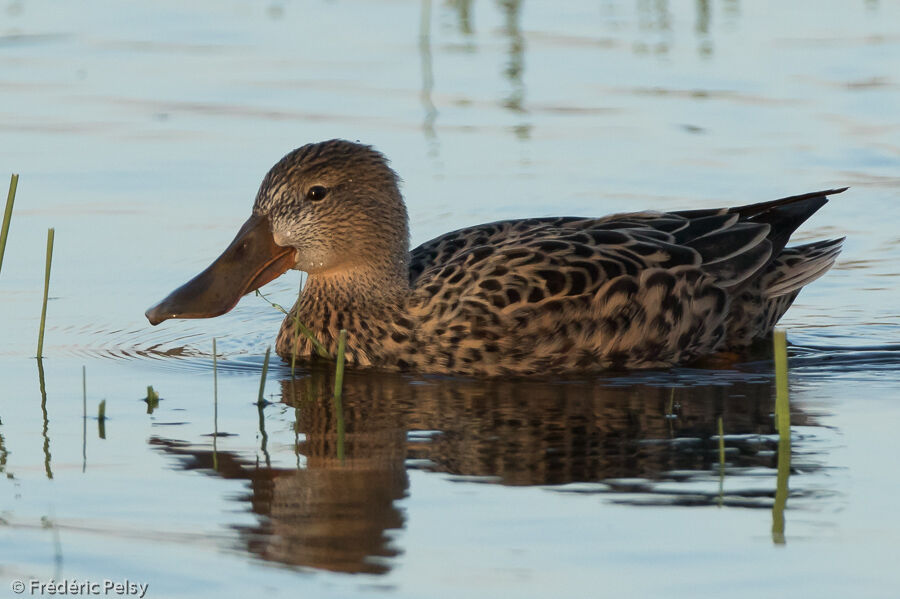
(40, 347)
(7, 214)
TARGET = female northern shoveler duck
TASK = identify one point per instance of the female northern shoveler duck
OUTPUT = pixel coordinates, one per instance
(516, 297)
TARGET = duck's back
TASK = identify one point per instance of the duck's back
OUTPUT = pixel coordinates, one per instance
(649, 289)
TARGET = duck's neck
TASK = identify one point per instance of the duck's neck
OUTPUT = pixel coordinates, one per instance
(363, 300)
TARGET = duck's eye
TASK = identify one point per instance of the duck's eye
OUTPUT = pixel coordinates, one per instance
(316, 193)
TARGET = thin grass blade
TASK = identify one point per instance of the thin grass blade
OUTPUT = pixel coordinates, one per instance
(7, 215)
(40, 347)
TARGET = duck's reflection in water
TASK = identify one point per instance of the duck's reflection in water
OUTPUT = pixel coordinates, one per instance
(338, 514)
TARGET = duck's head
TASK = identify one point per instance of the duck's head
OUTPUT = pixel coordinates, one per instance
(329, 208)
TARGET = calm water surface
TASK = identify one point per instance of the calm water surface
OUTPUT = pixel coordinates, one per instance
(141, 133)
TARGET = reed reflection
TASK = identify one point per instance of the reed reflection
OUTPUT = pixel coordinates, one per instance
(551, 433)
(514, 69)
(704, 40)
(428, 107)
(48, 469)
(463, 10)
(3, 453)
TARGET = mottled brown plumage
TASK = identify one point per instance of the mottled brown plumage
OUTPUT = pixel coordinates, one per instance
(525, 297)
(534, 296)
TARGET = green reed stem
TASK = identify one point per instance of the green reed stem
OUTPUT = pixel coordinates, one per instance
(262, 379)
(7, 214)
(782, 407)
(338, 392)
(783, 424)
(320, 349)
(101, 419)
(307, 332)
(339, 368)
(152, 399)
(40, 347)
(215, 409)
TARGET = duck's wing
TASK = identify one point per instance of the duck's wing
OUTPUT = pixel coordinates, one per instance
(637, 289)
(732, 245)
(595, 250)
(785, 214)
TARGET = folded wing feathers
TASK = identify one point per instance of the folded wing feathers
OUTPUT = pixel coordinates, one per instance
(749, 210)
(740, 267)
(800, 265)
(699, 227)
(727, 243)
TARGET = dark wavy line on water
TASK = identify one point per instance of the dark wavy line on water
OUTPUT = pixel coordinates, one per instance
(868, 357)
(238, 354)
(179, 359)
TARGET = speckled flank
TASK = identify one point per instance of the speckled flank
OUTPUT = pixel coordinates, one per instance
(532, 296)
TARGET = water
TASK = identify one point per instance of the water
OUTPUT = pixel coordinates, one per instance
(141, 133)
